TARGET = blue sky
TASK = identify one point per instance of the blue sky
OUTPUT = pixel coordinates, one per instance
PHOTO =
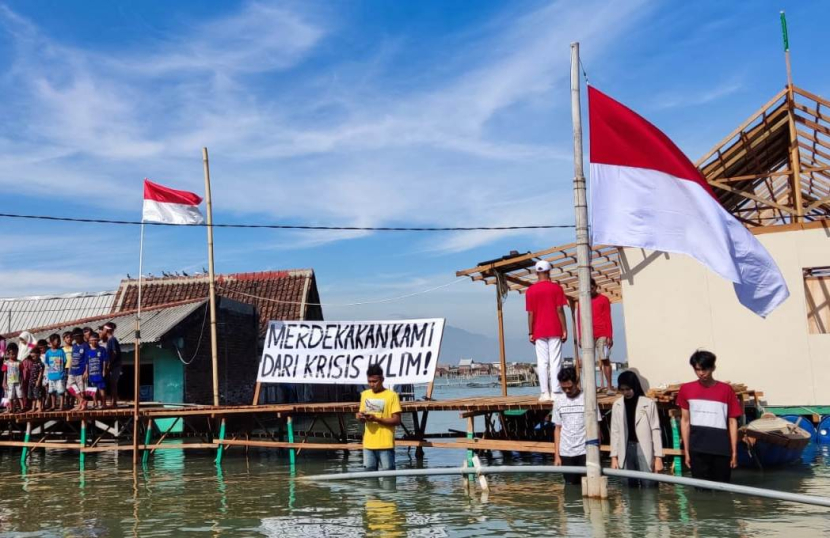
(359, 113)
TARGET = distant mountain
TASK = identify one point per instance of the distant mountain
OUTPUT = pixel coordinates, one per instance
(460, 344)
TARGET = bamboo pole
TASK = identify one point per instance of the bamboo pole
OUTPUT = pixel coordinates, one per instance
(137, 350)
(214, 353)
(502, 355)
(594, 479)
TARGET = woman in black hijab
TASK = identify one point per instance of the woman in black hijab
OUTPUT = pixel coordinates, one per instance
(636, 443)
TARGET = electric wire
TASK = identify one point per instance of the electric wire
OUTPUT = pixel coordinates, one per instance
(294, 226)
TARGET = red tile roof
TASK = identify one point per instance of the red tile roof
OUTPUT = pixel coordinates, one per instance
(277, 295)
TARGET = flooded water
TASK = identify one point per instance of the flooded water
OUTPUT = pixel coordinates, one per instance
(178, 495)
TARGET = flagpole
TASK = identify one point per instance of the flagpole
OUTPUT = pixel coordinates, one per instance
(594, 484)
(137, 353)
(795, 155)
(214, 353)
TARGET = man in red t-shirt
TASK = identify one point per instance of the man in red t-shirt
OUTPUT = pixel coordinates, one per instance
(545, 302)
(709, 422)
(603, 335)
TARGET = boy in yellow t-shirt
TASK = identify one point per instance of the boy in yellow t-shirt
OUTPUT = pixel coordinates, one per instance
(380, 410)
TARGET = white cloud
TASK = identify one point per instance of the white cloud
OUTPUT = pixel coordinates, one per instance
(321, 150)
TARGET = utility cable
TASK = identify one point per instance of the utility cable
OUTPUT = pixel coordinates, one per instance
(295, 226)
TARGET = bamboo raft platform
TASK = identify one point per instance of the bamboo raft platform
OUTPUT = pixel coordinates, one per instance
(511, 424)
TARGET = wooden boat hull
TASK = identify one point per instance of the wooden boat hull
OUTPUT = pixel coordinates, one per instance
(771, 448)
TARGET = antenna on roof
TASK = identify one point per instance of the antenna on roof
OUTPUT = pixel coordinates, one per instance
(786, 37)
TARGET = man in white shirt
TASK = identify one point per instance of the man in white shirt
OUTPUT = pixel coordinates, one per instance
(569, 418)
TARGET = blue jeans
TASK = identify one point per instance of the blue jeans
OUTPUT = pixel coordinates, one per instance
(385, 459)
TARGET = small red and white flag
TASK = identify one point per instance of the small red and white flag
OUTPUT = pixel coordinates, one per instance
(646, 193)
(163, 204)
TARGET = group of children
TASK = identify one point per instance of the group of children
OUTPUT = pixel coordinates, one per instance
(61, 372)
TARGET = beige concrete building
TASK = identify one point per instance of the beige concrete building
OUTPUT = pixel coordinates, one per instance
(673, 306)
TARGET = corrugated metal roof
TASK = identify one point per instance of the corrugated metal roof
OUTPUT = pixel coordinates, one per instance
(155, 323)
(24, 313)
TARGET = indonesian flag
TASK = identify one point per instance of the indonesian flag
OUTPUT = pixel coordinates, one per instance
(163, 204)
(645, 193)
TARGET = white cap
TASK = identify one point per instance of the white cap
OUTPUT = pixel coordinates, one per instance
(542, 266)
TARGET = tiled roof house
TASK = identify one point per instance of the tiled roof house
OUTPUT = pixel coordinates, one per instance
(276, 295)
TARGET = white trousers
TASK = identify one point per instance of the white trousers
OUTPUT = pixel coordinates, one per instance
(548, 363)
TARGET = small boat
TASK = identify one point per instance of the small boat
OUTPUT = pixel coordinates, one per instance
(771, 441)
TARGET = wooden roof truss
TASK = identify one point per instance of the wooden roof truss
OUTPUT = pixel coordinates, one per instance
(775, 167)
(518, 271)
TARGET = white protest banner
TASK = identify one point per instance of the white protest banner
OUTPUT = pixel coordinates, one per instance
(339, 352)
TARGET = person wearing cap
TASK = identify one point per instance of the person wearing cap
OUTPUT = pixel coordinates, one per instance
(545, 304)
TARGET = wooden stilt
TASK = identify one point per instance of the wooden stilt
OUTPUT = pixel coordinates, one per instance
(470, 436)
(83, 443)
(291, 452)
(148, 434)
(25, 452)
(675, 436)
(220, 446)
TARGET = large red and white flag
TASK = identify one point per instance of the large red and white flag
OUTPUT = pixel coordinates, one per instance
(646, 193)
(163, 204)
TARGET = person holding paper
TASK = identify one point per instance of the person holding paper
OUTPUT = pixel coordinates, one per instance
(380, 411)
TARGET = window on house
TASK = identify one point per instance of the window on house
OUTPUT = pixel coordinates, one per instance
(817, 291)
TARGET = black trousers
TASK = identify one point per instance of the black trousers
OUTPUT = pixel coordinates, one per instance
(576, 461)
(710, 467)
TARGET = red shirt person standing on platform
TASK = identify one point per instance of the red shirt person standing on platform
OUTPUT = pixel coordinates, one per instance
(545, 302)
(603, 335)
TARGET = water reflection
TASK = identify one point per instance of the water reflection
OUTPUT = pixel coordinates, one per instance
(259, 495)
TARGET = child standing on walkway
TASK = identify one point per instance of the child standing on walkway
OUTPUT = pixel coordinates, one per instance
(55, 370)
(11, 377)
(77, 372)
(67, 351)
(34, 390)
(96, 360)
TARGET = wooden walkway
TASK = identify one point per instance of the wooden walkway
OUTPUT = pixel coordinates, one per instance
(509, 426)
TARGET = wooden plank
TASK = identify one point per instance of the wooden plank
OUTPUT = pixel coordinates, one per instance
(32, 444)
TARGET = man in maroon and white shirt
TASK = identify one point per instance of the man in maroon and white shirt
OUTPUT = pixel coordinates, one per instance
(545, 302)
(709, 423)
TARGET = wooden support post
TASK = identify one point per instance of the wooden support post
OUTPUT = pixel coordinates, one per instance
(292, 455)
(675, 437)
(221, 447)
(25, 452)
(83, 443)
(470, 437)
(257, 388)
(502, 355)
(577, 362)
(148, 434)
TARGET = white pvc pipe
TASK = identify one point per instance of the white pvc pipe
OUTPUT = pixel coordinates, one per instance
(549, 469)
(444, 471)
(720, 486)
